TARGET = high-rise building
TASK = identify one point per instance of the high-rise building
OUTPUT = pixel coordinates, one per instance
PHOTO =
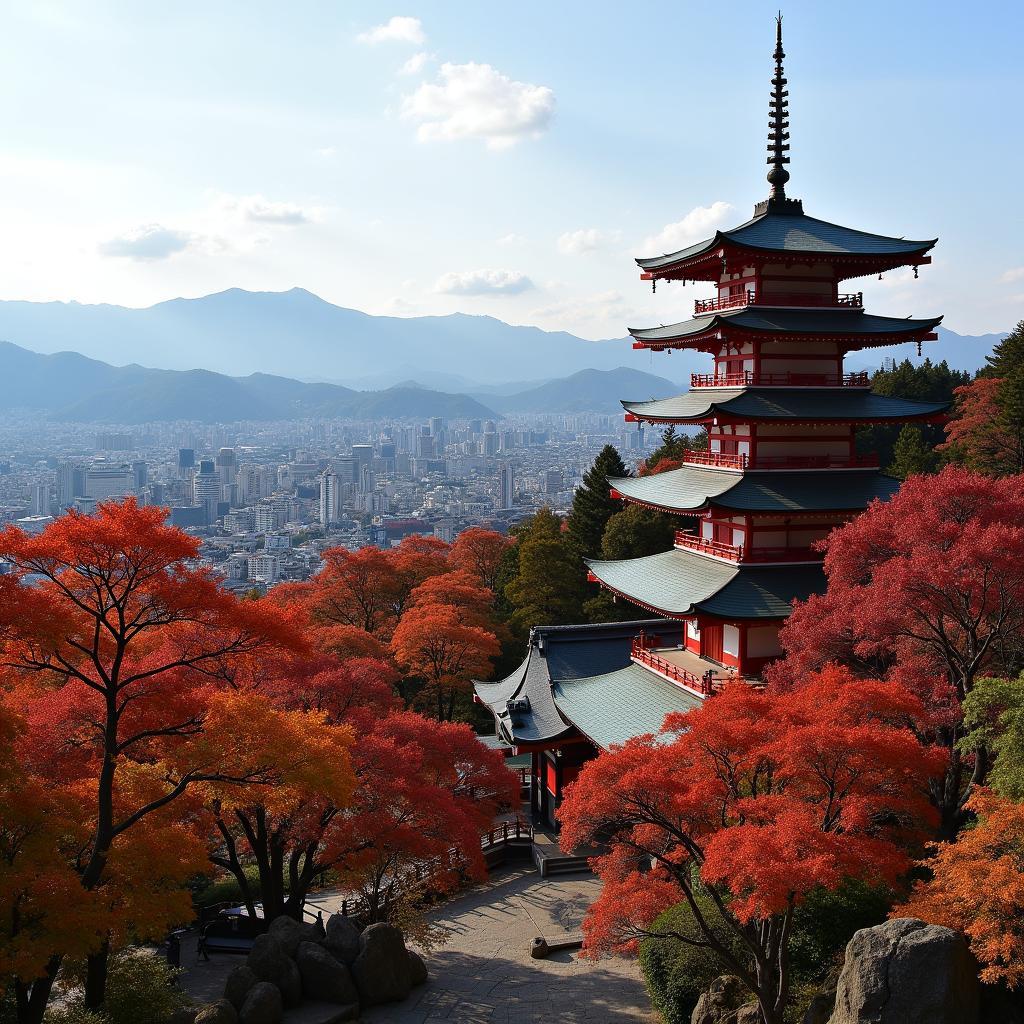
(70, 483)
(105, 480)
(330, 498)
(41, 500)
(186, 461)
(140, 476)
(506, 486)
(553, 481)
(780, 472)
(206, 489)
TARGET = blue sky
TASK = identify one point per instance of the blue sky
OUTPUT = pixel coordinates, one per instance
(503, 159)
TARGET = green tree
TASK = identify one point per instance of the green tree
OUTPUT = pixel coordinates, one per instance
(994, 716)
(923, 382)
(912, 454)
(547, 584)
(674, 446)
(593, 505)
(632, 532)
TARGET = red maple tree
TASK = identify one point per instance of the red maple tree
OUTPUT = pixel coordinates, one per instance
(755, 798)
(119, 651)
(926, 589)
(480, 552)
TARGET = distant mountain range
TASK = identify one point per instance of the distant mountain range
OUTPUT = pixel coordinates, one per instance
(70, 387)
(295, 334)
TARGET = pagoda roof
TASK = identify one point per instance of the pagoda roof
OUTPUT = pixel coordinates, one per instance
(825, 405)
(793, 233)
(689, 490)
(559, 655)
(770, 320)
(612, 708)
(681, 583)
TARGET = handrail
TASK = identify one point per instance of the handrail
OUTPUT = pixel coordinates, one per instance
(721, 460)
(706, 685)
(729, 460)
(747, 378)
(706, 546)
(748, 297)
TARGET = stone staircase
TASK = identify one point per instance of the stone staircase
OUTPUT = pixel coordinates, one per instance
(550, 859)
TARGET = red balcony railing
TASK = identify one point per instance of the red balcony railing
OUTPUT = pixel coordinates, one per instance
(726, 460)
(708, 684)
(719, 460)
(747, 378)
(734, 553)
(706, 546)
(847, 300)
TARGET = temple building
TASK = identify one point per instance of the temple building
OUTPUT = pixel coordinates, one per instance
(780, 470)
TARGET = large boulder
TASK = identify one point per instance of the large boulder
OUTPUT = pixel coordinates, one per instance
(290, 933)
(236, 987)
(417, 969)
(381, 971)
(263, 1005)
(269, 961)
(907, 972)
(726, 1001)
(184, 1015)
(220, 1012)
(323, 977)
(342, 938)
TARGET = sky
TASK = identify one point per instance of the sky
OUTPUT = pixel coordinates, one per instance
(500, 159)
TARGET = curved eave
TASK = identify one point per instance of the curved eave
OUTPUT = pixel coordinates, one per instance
(720, 326)
(783, 404)
(688, 491)
(682, 584)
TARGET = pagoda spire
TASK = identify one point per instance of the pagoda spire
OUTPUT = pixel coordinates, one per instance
(778, 136)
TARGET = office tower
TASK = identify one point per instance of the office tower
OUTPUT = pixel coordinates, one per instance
(140, 476)
(186, 461)
(226, 466)
(367, 482)
(70, 483)
(506, 485)
(206, 489)
(553, 481)
(425, 447)
(103, 480)
(362, 453)
(330, 498)
(41, 500)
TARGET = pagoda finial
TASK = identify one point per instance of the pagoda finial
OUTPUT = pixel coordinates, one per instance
(778, 121)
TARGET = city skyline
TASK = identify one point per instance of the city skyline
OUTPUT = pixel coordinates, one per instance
(298, 148)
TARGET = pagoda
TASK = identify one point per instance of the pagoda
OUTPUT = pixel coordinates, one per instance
(780, 471)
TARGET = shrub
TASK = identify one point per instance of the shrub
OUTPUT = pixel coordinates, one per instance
(227, 889)
(74, 1015)
(141, 989)
(677, 973)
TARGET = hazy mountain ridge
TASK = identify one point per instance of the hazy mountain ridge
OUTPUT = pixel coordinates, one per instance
(69, 386)
(587, 391)
(295, 334)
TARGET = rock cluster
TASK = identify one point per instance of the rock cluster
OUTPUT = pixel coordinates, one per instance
(726, 1001)
(295, 963)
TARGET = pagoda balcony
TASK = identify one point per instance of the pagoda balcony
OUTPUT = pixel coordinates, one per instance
(735, 553)
(748, 378)
(741, 461)
(684, 668)
(749, 297)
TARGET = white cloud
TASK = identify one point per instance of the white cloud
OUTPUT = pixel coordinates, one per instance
(483, 282)
(327, 152)
(475, 101)
(700, 222)
(416, 63)
(398, 29)
(1014, 274)
(260, 210)
(147, 243)
(574, 243)
(510, 239)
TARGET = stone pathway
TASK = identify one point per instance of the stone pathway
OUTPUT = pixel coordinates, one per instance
(485, 975)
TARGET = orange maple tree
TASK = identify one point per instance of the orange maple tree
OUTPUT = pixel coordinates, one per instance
(119, 653)
(977, 887)
(757, 798)
(480, 552)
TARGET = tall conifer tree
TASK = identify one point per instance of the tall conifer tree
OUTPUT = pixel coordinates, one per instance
(592, 504)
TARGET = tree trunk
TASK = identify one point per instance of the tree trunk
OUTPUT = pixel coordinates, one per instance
(96, 977)
(31, 998)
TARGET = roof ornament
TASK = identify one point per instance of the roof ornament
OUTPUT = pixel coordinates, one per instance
(778, 137)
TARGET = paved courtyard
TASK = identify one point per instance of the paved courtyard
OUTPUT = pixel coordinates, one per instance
(485, 975)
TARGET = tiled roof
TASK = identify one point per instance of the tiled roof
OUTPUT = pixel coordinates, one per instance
(613, 708)
(689, 490)
(683, 583)
(796, 233)
(835, 405)
(789, 321)
(559, 653)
